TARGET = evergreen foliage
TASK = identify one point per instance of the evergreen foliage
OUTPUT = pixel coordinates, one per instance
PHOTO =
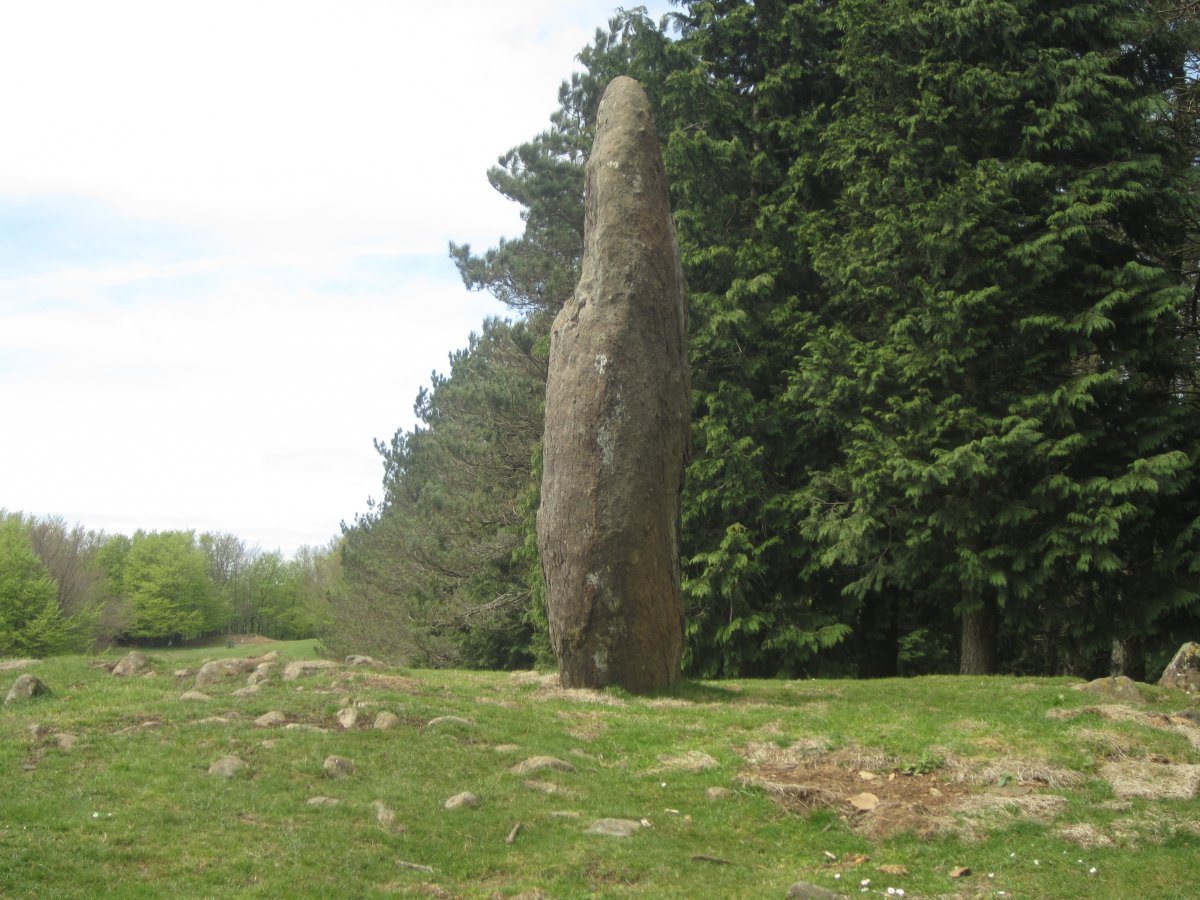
(942, 263)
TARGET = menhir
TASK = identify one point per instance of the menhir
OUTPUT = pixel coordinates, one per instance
(617, 418)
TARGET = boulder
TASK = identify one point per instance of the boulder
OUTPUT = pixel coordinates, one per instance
(385, 721)
(465, 800)
(338, 767)
(271, 719)
(261, 674)
(133, 663)
(1117, 688)
(216, 670)
(622, 828)
(26, 687)
(802, 890)
(305, 667)
(227, 767)
(1183, 672)
(348, 717)
(618, 404)
(539, 764)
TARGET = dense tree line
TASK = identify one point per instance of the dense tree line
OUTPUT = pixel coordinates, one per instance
(67, 589)
(942, 262)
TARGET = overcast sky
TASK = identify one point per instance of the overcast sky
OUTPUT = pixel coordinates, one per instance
(223, 242)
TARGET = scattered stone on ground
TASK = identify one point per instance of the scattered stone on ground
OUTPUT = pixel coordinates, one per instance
(134, 663)
(385, 721)
(261, 674)
(272, 719)
(803, 891)
(148, 725)
(539, 763)
(248, 691)
(1183, 671)
(691, 761)
(182, 674)
(26, 687)
(306, 667)
(507, 748)
(549, 787)
(1146, 779)
(8, 665)
(621, 828)
(65, 740)
(347, 717)
(213, 720)
(457, 721)
(465, 800)
(1118, 687)
(717, 793)
(323, 801)
(384, 815)
(227, 767)
(358, 659)
(338, 767)
(216, 670)
(195, 695)
(306, 726)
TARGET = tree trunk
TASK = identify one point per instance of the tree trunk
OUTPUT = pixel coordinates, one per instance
(1128, 658)
(979, 639)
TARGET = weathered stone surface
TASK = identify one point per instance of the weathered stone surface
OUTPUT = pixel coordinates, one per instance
(216, 670)
(8, 665)
(617, 410)
(305, 667)
(323, 801)
(347, 717)
(1183, 672)
(133, 663)
(195, 695)
(615, 827)
(385, 721)
(227, 766)
(803, 891)
(465, 800)
(1118, 687)
(248, 691)
(541, 763)
(261, 674)
(272, 719)
(338, 767)
(357, 659)
(25, 687)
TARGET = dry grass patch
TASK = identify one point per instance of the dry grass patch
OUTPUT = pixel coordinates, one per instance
(1149, 779)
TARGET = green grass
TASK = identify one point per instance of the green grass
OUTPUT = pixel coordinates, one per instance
(132, 811)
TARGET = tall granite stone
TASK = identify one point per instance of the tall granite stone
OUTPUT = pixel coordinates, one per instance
(617, 416)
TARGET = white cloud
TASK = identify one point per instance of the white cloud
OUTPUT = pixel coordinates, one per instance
(227, 225)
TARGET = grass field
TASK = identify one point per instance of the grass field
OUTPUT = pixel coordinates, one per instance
(741, 788)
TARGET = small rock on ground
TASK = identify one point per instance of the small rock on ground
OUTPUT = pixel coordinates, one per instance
(194, 695)
(305, 667)
(248, 691)
(272, 719)
(26, 687)
(1119, 687)
(134, 663)
(348, 717)
(227, 766)
(338, 767)
(383, 815)
(465, 800)
(803, 891)
(622, 828)
(538, 763)
(386, 720)
(323, 801)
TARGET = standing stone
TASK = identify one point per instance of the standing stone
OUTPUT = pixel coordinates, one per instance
(134, 663)
(1183, 672)
(617, 411)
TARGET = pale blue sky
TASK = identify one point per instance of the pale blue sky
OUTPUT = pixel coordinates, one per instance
(223, 230)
